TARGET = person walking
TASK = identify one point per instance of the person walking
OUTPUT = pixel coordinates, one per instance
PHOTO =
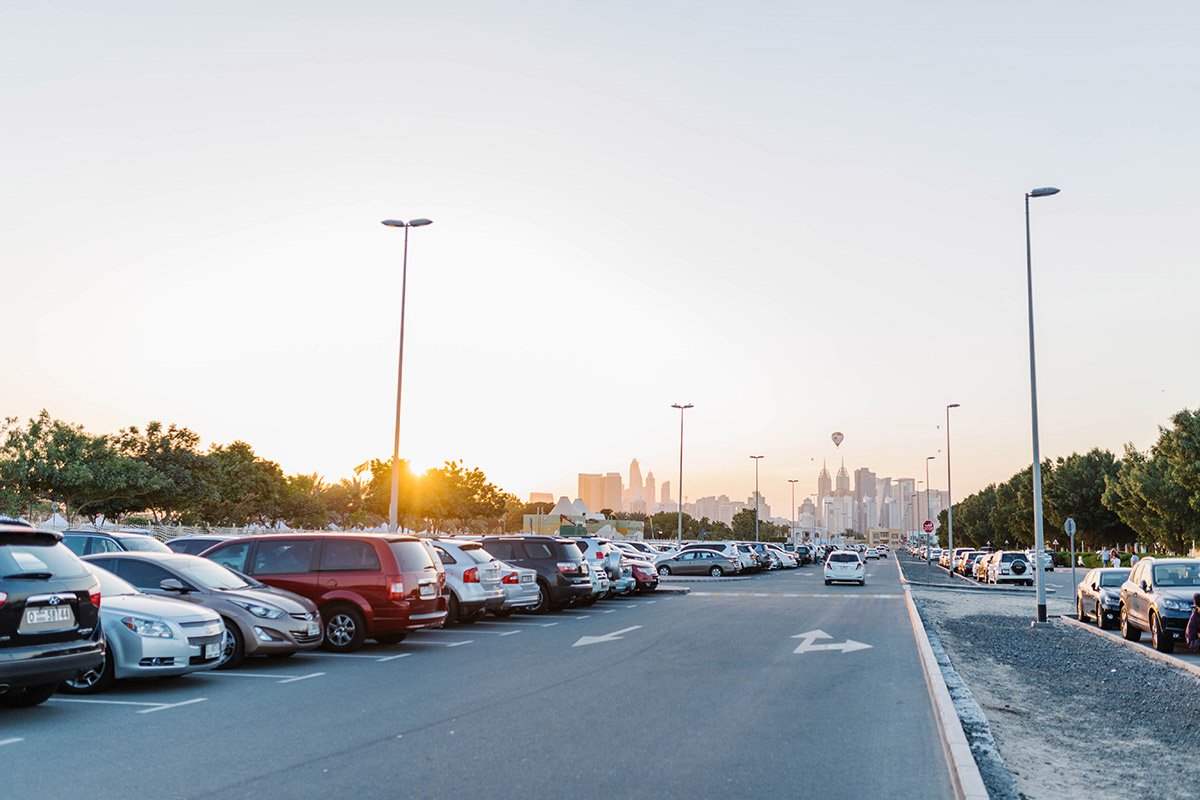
(1116, 558)
(1104, 556)
(1133, 559)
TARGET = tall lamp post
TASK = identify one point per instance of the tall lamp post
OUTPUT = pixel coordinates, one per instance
(681, 408)
(927, 460)
(793, 481)
(756, 460)
(1039, 573)
(949, 498)
(394, 508)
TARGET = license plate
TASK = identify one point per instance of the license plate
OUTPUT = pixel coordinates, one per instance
(526, 579)
(428, 590)
(314, 628)
(48, 614)
(212, 650)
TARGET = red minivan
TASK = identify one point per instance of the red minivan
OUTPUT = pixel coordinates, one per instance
(366, 585)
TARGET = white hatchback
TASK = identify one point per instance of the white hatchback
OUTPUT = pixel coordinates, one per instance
(845, 565)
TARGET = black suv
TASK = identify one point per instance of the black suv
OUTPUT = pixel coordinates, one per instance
(562, 571)
(49, 616)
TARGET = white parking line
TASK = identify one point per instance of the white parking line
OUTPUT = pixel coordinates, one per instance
(518, 622)
(459, 633)
(151, 707)
(459, 644)
(303, 677)
(344, 655)
(165, 706)
(9, 741)
(393, 658)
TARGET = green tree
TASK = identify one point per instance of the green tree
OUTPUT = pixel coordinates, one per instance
(346, 502)
(173, 453)
(303, 503)
(379, 493)
(1075, 489)
(243, 488)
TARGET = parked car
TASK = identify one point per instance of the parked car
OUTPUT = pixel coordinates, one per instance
(601, 553)
(91, 542)
(1010, 566)
(520, 589)
(698, 562)
(472, 579)
(366, 585)
(804, 553)
(195, 545)
(257, 622)
(149, 637)
(788, 560)
(644, 574)
(1047, 559)
(965, 561)
(1099, 596)
(872, 553)
(980, 569)
(49, 616)
(845, 565)
(561, 568)
(741, 555)
(1156, 597)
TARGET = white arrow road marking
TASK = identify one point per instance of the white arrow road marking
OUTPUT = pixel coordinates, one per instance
(9, 741)
(608, 637)
(807, 646)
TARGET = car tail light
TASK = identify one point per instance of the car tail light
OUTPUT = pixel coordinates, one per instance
(568, 567)
(3, 597)
(511, 577)
(471, 575)
(858, 565)
(395, 586)
(94, 595)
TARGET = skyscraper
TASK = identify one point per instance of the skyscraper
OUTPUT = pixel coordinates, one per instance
(651, 497)
(612, 492)
(665, 495)
(824, 489)
(635, 480)
(591, 490)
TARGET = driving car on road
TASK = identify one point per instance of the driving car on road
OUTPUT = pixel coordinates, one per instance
(1099, 596)
(1156, 597)
(257, 622)
(149, 637)
(49, 616)
(845, 565)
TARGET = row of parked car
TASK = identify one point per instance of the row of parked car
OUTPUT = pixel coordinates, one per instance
(1155, 596)
(81, 609)
(987, 565)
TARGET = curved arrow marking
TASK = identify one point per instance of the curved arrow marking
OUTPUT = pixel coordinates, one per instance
(807, 646)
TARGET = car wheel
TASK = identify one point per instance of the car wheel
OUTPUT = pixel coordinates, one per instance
(345, 629)
(716, 572)
(391, 638)
(470, 619)
(28, 696)
(453, 614)
(543, 602)
(827, 581)
(1160, 638)
(233, 647)
(1100, 621)
(93, 681)
(1079, 610)
(1129, 632)
(664, 570)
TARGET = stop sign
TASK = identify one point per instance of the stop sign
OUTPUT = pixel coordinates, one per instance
(928, 526)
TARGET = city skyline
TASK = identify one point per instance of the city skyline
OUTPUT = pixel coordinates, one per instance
(798, 218)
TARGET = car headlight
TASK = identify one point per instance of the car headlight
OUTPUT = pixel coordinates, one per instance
(266, 612)
(148, 627)
(1177, 605)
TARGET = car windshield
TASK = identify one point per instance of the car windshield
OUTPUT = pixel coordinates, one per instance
(1178, 574)
(209, 574)
(39, 556)
(843, 557)
(477, 554)
(144, 544)
(111, 585)
(1113, 578)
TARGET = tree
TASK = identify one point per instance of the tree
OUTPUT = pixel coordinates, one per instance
(303, 502)
(173, 455)
(379, 493)
(346, 503)
(1076, 489)
(244, 489)
(452, 493)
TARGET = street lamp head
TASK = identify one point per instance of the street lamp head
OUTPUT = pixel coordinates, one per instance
(1045, 191)
(756, 456)
(953, 405)
(676, 405)
(399, 223)
(930, 458)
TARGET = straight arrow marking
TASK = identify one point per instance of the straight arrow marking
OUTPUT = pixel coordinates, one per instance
(608, 637)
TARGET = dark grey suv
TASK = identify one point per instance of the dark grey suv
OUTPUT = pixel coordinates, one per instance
(562, 571)
(1157, 598)
(49, 616)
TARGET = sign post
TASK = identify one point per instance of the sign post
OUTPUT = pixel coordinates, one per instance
(1069, 527)
(928, 528)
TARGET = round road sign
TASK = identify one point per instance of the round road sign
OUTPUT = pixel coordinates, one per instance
(928, 526)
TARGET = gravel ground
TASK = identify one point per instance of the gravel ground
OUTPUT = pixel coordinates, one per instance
(1072, 714)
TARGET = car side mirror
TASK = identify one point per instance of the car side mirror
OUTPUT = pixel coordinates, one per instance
(171, 585)
(1145, 585)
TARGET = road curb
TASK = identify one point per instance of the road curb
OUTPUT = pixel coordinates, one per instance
(1138, 646)
(964, 772)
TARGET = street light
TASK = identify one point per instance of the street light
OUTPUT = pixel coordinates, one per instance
(949, 498)
(928, 533)
(756, 458)
(793, 481)
(393, 510)
(1039, 574)
(681, 408)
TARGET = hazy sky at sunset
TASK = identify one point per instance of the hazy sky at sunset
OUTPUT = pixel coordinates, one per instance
(801, 217)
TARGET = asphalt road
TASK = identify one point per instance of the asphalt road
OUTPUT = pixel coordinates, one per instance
(689, 696)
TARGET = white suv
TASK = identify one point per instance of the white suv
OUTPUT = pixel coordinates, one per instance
(845, 565)
(1010, 566)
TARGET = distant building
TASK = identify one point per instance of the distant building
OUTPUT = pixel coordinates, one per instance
(541, 497)
(648, 493)
(665, 494)
(613, 491)
(591, 490)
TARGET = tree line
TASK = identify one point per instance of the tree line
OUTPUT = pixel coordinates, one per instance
(1151, 497)
(159, 475)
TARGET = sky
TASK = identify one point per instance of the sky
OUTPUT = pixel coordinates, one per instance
(800, 217)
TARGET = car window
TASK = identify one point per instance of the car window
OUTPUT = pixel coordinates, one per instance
(443, 555)
(76, 544)
(843, 557)
(1177, 574)
(501, 550)
(540, 550)
(476, 553)
(286, 557)
(99, 544)
(1112, 578)
(413, 556)
(211, 575)
(110, 584)
(348, 555)
(568, 550)
(39, 557)
(142, 574)
(232, 556)
(146, 544)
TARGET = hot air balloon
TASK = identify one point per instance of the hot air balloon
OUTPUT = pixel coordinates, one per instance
(837, 438)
